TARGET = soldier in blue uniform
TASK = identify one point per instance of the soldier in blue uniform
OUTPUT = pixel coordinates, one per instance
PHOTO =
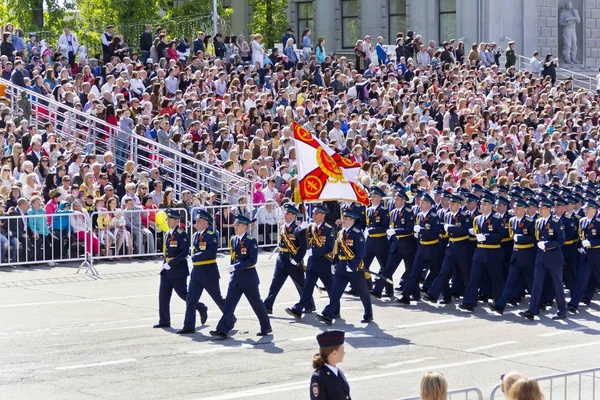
(292, 247)
(427, 230)
(349, 252)
(378, 222)
(488, 229)
(328, 381)
(570, 220)
(360, 211)
(550, 236)
(244, 281)
(403, 245)
(457, 254)
(175, 270)
(589, 233)
(503, 211)
(522, 230)
(321, 241)
(205, 274)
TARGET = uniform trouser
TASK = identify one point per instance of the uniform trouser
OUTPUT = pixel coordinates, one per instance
(485, 260)
(487, 289)
(459, 284)
(312, 275)
(164, 297)
(431, 276)
(539, 276)
(283, 270)
(570, 267)
(517, 273)
(411, 287)
(340, 281)
(192, 304)
(234, 294)
(450, 265)
(402, 253)
(588, 269)
(376, 248)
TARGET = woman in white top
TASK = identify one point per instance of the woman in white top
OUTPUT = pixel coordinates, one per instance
(79, 225)
(26, 170)
(7, 180)
(30, 186)
(258, 51)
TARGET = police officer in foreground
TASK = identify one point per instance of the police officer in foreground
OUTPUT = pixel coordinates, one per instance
(321, 241)
(205, 273)
(244, 281)
(328, 381)
(350, 248)
(175, 270)
(550, 235)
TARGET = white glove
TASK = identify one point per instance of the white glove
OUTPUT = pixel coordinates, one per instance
(293, 261)
(333, 270)
(308, 253)
(366, 233)
(446, 226)
(480, 237)
(166, 266)
(542, 245)
(471, 231)
(417, 228)
(390, 232)
(304, 225)
(348, 269)
(231, 269)
(581, 250)
(416, 235)
(586, 243)
(516, 237)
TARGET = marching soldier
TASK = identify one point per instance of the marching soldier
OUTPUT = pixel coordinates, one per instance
(321, 241)
(350, 249)
(244, 281)
(205, 274)
(489, 230)
(550, 235)
(502, 208)
(457, 254)
(292, 247)
(328, 381)
(427, 230)
(522, 230)
(378, 221)
(359, 210)
(570, 220)
(589, 231)
(175, 270)
(403, 245)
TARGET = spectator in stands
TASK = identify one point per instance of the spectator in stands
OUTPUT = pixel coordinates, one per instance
(508, 380)
(140, 234)
(39, 229)
(268, 217)
(146, 42)
(525, 389)
(19, 232)
(434, 387)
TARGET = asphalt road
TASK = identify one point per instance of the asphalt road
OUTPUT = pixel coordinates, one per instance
(68, 336)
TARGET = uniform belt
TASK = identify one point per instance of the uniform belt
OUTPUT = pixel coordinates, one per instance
(472, 239)
(506, 240)
(458, 239)
(205, 262)
(169, 259)
(551, 248)
(429, 242)
(523, 246)
(403, 236)
(595, 247)
(568, 242)
(344, 258)
(488, 246)
(284, 250)
(376, 235)
(443, 236)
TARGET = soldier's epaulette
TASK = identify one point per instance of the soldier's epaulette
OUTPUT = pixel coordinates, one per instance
(597, 218)
(529, 219)
(179, 230)
(248, 237)
(497, 216)
(463, 213)
(327, 225)
(555, 218)
(209, 232)
(356, 230)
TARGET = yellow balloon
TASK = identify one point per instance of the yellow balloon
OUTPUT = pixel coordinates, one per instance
(161, 221)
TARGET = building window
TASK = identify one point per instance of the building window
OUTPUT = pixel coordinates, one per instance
(305, 18)
(396, 18)
(350, 30)
(447, 20)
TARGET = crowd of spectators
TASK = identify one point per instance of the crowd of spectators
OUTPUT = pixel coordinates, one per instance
(420, 116)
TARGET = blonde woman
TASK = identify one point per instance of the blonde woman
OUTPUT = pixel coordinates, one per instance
(31, 186)
(508, 380)
(88, 186)
(258, 50)
(525, 389)
(434, 387)
(7, 180)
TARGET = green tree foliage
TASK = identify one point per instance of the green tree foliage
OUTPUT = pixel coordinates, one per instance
(44, 16)
(269, 19)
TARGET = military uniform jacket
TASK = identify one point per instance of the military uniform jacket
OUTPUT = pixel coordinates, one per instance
(292, 243)
(459, 229)
(429, 235)
(441, 213)
(403, 222)
(493, 227)
(321, 240)
(204, 255)
(524, 249)
(571, 224)
(507, 238)
(350, 250)
(359, 210)
(325, 385)
(378, 221)
(176, 249)
(589, 229)
(552, 232)
(244, 254)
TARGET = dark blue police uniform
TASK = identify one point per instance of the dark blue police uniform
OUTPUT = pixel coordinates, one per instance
(571, 224)
(378, 222)
(329, 383)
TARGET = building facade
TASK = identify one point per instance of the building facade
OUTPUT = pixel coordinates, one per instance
(532, 24)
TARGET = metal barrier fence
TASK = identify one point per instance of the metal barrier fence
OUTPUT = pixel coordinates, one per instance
(469, 393)
(573, 385)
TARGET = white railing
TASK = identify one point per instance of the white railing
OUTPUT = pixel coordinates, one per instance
(93, 134)
(580, 81)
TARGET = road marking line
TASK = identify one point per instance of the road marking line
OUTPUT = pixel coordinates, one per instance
(407, 362)
(562, 332)
(46, 303)
(302, 386)
(490, 346)
(100, 364)
(436, 322)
